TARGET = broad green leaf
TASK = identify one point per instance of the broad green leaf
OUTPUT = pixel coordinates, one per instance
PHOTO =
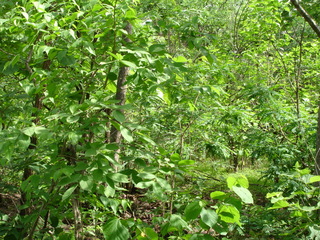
(280, 204)
(109, 191)
(143, 185)
(238, 180)
(148, 234)
(192, 211)
(129, 64)
(29, 131)
(145, 175)
(118, 177)
(23, 141)
(186, 162)
(86, 184)
(97, 175)
(126, 134)
(112, 76)
(175, 157)
(164, 184)
(209, 217)
(131, 14)
(115, 230)
(218, 195)
(243, 181)
(229, 214)
(73, 119)
(111, 146)
(91, 152)
(176, 223)
(243, 193)
(118, 115)
(68, 193)
(231, 181)
(314, 179)
(180, 59)
(111, 86)
(157, 48)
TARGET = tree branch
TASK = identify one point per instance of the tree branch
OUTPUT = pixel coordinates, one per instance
(306, 16)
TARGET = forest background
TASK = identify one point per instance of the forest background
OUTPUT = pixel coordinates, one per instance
(147, 120)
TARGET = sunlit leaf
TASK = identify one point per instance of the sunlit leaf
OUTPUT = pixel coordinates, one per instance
(126, 134)
(68, 193)
(243, 193)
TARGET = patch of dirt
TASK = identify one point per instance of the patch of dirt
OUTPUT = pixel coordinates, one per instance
(9, 204)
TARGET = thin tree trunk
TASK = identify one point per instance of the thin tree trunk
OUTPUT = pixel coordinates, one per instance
(115, 134)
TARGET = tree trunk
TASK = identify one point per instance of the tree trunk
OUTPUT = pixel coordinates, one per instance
(115, 134)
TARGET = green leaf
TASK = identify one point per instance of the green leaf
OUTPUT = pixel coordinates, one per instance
(129, 64)
(157, 48)
(280, 204)
(86, 184)
(238, 180)
(118, 115)
(112, 76)
(65, 59)
(111, 146)
(314, 179)
(180, 59)
(126, 134)
(97, 175)
(115, 230)
(118, 177)
(143, 185)
(186, 162)
(273, 194)
(231, 181)
(148, 234)
(131, 14)
(192, 211)
(243, 181)
(175, 157)
(40, 7)
(29, 131)
(229, 214)
(23, 141)
(218, 195)
(176, 223)
(68, 193)
(243, 193)
(209, 217)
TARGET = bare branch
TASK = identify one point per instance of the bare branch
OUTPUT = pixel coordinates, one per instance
(306, 16)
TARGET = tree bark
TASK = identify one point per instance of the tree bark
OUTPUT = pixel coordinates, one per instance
(115, 134)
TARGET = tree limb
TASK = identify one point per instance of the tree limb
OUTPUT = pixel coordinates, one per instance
(306, 16)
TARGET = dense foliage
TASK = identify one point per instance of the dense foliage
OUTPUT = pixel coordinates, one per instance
(137, 119)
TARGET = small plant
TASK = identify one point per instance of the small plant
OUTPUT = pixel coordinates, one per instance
(299, 201)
